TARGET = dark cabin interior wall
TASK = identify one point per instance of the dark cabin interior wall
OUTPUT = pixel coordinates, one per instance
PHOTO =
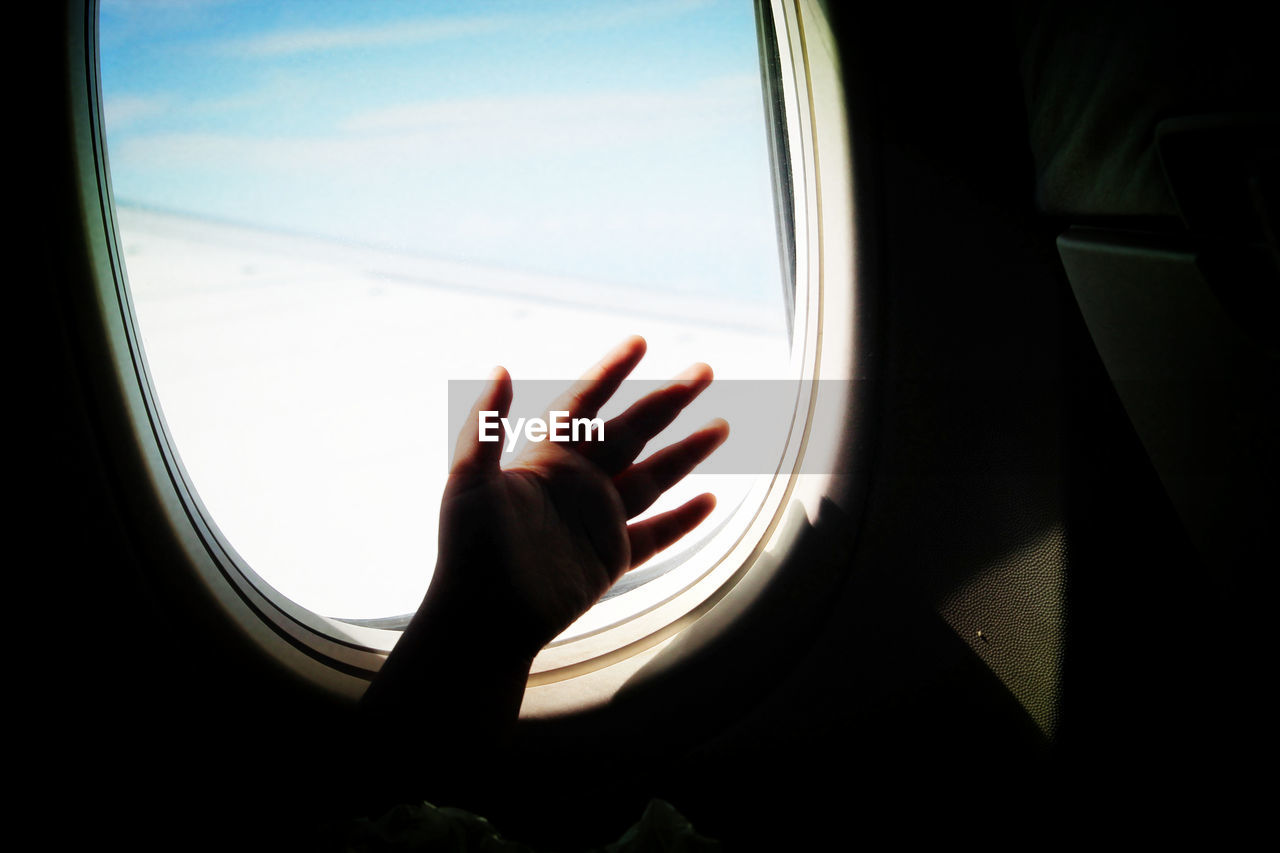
(1007, 489)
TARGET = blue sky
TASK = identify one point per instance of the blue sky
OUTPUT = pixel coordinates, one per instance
(613, 141)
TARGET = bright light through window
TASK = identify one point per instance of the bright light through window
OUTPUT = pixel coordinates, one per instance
(328, 210)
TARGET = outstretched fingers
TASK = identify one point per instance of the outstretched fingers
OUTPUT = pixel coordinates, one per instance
(597, 385)
(630, 431)
(641, 484)
(650, 536)
(471, 456)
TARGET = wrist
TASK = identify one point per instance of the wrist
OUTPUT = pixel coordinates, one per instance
(473, 608)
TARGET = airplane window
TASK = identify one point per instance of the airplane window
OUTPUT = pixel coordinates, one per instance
(328, 211)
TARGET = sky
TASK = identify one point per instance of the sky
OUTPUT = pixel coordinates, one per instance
(621, 142)
(575, 144)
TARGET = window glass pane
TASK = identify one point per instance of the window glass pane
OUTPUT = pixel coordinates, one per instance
(328, 210)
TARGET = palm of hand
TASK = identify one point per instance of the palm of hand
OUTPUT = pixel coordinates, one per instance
(540, 540)
(545, 541)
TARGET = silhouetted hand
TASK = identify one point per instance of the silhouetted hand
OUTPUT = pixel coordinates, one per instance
(526, 549)
(543, 538)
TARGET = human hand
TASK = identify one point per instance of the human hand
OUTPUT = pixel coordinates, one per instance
(527, 549)
(532, 545)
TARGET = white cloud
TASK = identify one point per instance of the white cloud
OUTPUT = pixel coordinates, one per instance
(342, 38)
(124, 110)
(627, 14)
(465, 130)
(427, 30)
(573, 120)
(150, 7)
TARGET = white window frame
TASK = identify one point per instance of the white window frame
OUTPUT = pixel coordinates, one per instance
(341, 658)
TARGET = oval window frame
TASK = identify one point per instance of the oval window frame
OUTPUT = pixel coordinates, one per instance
(341, 658)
